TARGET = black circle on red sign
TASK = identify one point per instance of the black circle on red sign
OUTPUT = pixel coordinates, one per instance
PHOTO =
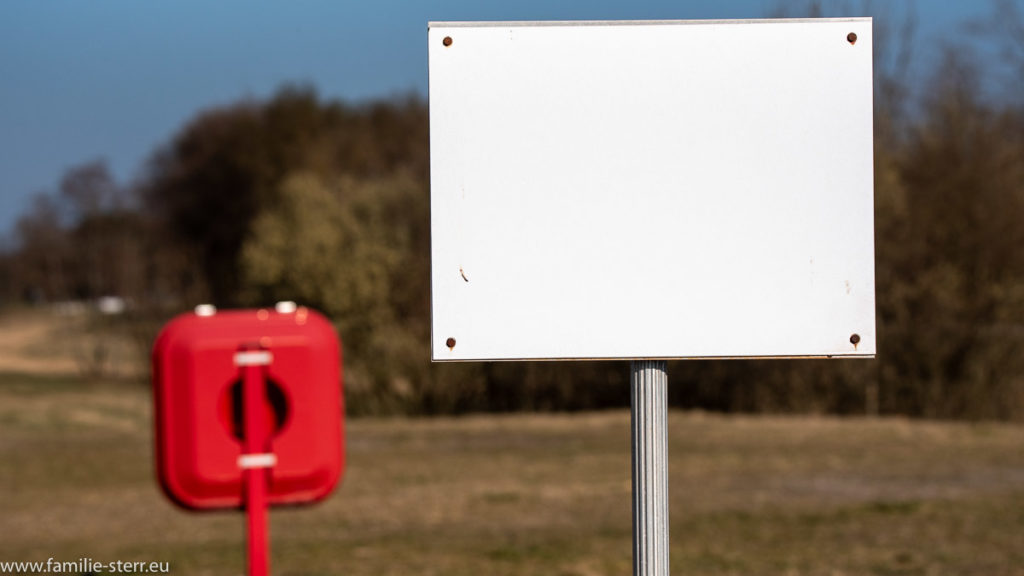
(232, 414)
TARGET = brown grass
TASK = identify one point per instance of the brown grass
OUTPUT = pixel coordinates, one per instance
(529, 494)
(24, 339)
(51, 342)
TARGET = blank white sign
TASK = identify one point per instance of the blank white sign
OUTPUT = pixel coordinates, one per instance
(638, 190)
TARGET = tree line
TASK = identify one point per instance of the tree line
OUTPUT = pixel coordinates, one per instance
(327, 203)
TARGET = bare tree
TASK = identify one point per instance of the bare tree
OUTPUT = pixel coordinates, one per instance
(41, 264)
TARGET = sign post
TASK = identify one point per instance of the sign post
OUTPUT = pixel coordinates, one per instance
(648, 191)
(256, 438)
(649, 419)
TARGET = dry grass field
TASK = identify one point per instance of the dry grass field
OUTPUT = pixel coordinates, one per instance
(527, 494)
(70, 341)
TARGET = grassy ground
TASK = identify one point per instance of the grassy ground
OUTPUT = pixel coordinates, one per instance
(529, 494)
(77, 342)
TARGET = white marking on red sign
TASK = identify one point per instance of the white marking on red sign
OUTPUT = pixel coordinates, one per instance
(246, 461)
(253, 358)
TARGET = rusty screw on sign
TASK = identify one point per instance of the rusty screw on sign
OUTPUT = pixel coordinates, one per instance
(450, 343)
(447, 41)
(855, 339)
(851, 38)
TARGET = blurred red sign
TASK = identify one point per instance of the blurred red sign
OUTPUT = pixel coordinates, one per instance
(203, 364)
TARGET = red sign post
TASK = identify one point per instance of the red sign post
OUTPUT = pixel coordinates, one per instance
(248, 412)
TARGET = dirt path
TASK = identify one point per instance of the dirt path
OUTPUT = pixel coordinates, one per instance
(31, 343)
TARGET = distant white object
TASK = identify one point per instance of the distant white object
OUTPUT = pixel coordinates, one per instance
(206, 310)
(285, 307)
(651, 189)
(111, 305)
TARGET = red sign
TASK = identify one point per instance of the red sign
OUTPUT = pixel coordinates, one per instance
(279, 368)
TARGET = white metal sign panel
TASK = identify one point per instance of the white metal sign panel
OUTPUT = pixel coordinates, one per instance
(651, 189)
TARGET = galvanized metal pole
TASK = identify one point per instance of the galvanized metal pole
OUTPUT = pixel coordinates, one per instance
(649, 415)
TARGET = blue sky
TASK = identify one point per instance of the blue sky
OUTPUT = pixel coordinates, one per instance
(113, 80)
